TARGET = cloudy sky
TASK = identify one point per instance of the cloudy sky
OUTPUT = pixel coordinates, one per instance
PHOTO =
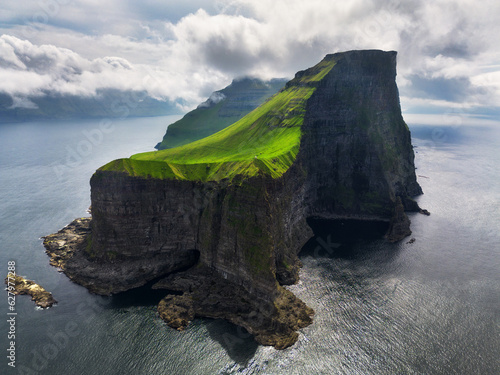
(448, 51)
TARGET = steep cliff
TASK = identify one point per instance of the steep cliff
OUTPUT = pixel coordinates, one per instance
(332, 144)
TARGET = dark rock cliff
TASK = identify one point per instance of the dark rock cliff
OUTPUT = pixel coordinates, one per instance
(243, 236)
(356, 146)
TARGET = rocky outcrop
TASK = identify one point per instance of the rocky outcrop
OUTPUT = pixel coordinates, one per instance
(70, 250)
(355, 161)
(205, 293)
(38, 294)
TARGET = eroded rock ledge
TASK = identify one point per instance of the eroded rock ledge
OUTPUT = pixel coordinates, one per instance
(39, 295)
(203, 292)
(207, 294)
(69, 250)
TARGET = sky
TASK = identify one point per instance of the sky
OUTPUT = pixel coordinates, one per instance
(448, 50)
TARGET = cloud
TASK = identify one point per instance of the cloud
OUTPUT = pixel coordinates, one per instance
(22, 103)
(215, 98)
(448, 51)
(33, 70)
(28, 70)
(448, 89)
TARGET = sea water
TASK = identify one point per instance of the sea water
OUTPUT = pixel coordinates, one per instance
(427, 307)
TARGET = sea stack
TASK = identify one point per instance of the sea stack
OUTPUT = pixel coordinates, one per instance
(222, 219)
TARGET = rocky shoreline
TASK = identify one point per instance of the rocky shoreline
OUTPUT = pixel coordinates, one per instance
(39, 295)
(206, 294)
(68, 250)
(202, 292)
(197, 292)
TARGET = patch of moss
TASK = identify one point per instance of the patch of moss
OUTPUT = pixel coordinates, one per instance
(253, 239)
(373, 203)
(345, 196)
(88, 246)
(285, 264)
(111, 255)
(318, 72)
(253, 256)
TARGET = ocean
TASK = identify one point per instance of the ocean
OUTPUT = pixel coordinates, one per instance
(431, 306)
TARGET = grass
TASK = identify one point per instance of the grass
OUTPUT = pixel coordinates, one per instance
(195, 125)
(266, 141)
(242, 96)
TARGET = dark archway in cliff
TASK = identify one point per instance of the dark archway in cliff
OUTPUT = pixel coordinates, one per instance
(348, 230)
(146, 295)
(335, 237)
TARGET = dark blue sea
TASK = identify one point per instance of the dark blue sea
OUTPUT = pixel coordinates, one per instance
(427, 307)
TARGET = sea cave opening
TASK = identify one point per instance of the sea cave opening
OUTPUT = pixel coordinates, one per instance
(336, 237)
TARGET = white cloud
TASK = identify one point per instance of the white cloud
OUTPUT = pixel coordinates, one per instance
(30, 70)
(22, 102)
(191, 52)
(17, 83)
(450, 118)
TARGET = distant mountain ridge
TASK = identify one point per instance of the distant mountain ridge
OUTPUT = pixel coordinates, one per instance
(110, 103)
(221, 109)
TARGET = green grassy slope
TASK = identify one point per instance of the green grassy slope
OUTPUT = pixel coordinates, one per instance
(266, 141)
(232, 103)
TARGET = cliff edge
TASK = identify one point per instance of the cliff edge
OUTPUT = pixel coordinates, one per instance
(221, 220)
(223, 108)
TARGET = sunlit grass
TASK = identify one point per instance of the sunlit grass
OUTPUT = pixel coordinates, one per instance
(266, 141)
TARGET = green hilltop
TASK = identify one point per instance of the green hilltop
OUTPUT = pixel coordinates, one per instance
(265, 141)
(221, 109)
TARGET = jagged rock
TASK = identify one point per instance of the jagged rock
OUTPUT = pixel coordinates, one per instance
(38, 294)
(70, 250)
(399, 227)
(177, 311)
(207, 294)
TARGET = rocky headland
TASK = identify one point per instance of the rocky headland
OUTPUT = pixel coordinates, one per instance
(218, 223)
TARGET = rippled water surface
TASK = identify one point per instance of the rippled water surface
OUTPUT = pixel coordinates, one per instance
(427, 307)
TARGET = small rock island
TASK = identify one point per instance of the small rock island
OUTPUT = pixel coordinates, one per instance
(38, 294)
(218, 223)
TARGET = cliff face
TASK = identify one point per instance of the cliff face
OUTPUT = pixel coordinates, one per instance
(242, 230)
(356, 146)
(355, 160)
